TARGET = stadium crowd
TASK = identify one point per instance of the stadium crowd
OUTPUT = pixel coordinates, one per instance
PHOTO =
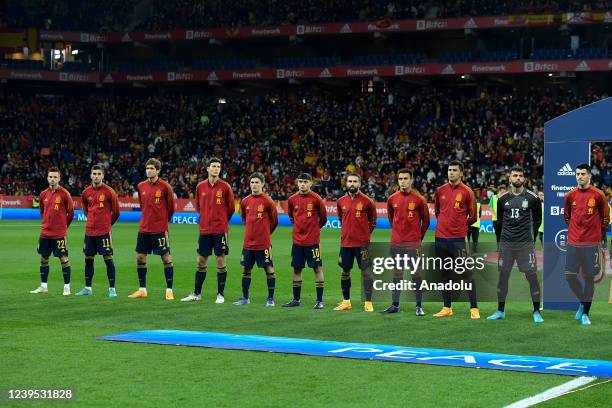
(185, 13)
(76, 15)
(114, 15)
(280, 135)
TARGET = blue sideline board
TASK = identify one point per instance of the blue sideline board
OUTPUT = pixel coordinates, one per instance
(362, 351)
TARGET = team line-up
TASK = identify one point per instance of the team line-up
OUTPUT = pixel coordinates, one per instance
(519, 215)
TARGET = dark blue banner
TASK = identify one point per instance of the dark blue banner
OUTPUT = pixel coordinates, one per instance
(486, 226)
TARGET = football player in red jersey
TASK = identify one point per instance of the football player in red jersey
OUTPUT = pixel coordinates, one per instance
(157, 205)
(308, 214)
(101, 207)
(587, 215)
(409, 218)
(357, 214)
(455, 207)
(57, 210)
(215, 202)
(260, 217)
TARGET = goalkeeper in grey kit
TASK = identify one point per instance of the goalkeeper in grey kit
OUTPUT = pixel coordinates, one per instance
(519, 213)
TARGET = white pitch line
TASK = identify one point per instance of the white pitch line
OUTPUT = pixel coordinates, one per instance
(552, 392)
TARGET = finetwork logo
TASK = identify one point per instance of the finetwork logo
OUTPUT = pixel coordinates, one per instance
(566, 170)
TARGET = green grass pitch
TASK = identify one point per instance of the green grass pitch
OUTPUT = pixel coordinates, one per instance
(49, 341)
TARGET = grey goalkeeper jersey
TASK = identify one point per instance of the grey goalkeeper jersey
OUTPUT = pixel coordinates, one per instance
(520, 216)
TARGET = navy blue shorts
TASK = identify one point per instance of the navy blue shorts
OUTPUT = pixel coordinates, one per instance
(405, 250)
(56, 245)
(585, 259)
(209, 242)
(153, 243)
(348, 255)
(102, 245)
(302, 255)
(263, 257)
(450, 247)
(400, 250)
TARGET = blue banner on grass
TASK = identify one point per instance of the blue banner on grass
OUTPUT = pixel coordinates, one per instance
(486, 226)
(534, 364)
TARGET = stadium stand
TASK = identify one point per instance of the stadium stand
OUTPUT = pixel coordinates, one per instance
(117, 15)
(279, 135)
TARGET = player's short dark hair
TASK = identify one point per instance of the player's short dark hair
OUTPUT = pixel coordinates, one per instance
(405, 171)
(456, 163)
(213, 160)
(259, 176)
(517, 169)
(53, 169)
(97, 167)
(584, 166)
(155, 163)
(353, 175)
(304, 176)
(502, 185)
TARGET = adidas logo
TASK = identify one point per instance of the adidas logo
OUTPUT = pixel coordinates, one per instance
(470, 24)
(126, 38)
(566, 170)
(448, 70)
(346, 29)
(507, 204)
(212, 76)
(325, 73)
(189, 207)
(108, 79)
(583, 66)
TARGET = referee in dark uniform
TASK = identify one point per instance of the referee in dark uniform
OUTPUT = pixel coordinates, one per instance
(519, 213)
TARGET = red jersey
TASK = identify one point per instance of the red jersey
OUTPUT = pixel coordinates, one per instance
(259, 214)
(101, 207)
(157, 206)
(408, 216)
(57, 211)
(587, 215)
(307, 214)
(455, 209)
(215, 203)
(358, 219)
